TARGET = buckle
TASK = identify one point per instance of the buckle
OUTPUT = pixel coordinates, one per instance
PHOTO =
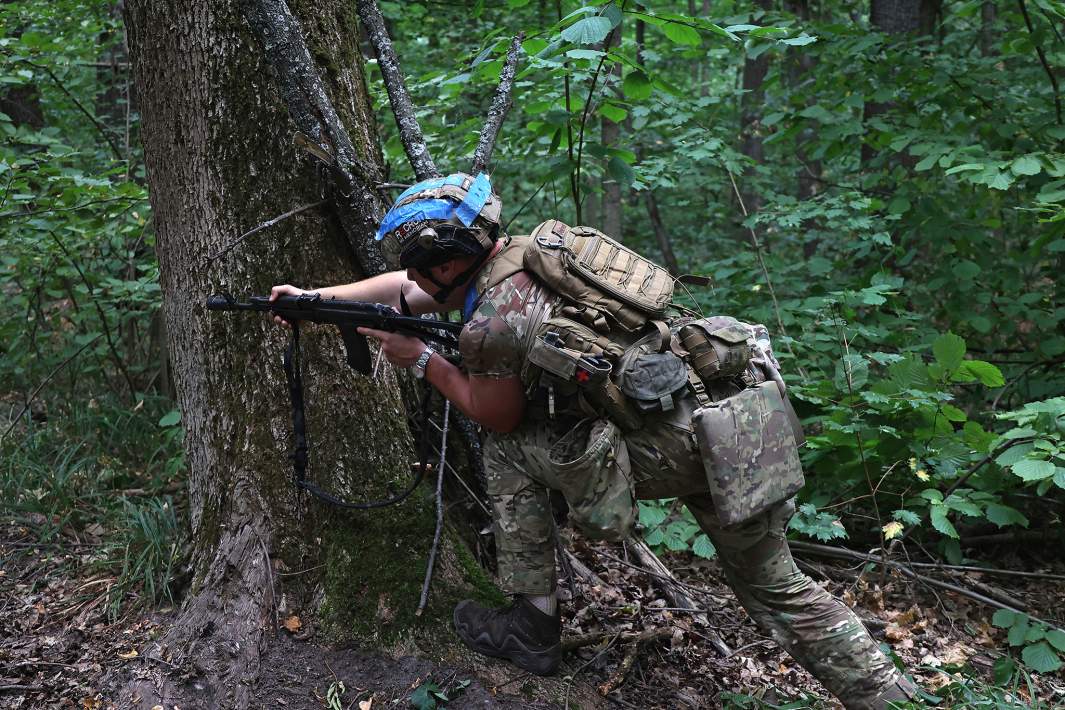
(550, 241)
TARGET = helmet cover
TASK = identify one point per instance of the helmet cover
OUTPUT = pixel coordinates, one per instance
(439, 219)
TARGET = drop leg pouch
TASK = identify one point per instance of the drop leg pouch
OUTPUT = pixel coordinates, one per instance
(747, 443)
(591, 467)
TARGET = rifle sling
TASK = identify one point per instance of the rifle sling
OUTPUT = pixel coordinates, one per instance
(299, 455)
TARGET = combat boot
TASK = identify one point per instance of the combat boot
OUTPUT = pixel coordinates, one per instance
(520, 633)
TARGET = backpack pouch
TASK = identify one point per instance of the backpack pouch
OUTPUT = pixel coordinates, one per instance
(748, 447)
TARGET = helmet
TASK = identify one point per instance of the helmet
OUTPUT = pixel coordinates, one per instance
(439, 219)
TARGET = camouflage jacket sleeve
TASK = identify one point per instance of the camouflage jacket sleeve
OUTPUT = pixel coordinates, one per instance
(493, 342)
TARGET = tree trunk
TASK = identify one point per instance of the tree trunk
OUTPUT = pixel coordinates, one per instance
(610, 214)
(220, 158)
(754, 72)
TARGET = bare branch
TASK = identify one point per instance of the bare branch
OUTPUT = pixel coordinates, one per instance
(500, 106)
(410, 133)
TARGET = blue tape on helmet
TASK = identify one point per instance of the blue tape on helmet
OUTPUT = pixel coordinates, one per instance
(476, 197)
(438, 209)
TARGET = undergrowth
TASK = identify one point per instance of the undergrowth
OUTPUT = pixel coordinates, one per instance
(108, 476)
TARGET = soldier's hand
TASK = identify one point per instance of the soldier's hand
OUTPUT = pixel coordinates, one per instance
(400, 350)
(284, 290)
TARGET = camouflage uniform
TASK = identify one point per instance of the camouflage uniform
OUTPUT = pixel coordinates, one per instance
(662, 460)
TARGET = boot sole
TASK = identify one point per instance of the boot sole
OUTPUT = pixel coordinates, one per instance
(539, 662)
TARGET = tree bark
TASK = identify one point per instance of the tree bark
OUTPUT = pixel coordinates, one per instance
(754, 73)
(610, 216)
(220, 159)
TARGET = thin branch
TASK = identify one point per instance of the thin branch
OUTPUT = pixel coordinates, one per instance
(45, 381)
(1042, 59)
(500, 106)
(100, 312)
(765, 272)
(268, 223)
(410, 133)
(439, 512)
(83, 205)
(99, 127)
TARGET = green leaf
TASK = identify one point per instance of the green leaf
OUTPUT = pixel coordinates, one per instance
(852, 372)
(988, 374)
(800, 41)
(620, 171)
(1018, 632)
(584, 54)
(636, 86)
(1014, 454)
(938, 516)
(1056, 637)
(1003, 670)
(652, 514)
(1003, 515)
(587, 30)
(949, 349)
(953, 414)
(1034, 469)
(1041, 658)
(1004, 618)
(1026, 165)
(423, 697)
(681, 34)
(906, 516)
(170, 418)
(702, 547)
(613, 112)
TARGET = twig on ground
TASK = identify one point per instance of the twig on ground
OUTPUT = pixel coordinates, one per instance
(839, 552)
(25, 688)
(410, 133)
(673, 592)
(583, 571)
(500, 106)
(618, 676)
(575, 642)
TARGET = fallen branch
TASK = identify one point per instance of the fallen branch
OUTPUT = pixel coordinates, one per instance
(673, 592)
(581, 569)
(618, 676)
(498, 111)
(410, 133)
(574, 642)
(843, 553)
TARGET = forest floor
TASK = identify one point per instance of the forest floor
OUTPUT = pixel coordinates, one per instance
(58, 645)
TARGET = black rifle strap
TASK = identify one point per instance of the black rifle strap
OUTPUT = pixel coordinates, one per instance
(299, 456)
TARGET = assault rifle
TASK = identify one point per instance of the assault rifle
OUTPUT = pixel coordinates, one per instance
(347, 316)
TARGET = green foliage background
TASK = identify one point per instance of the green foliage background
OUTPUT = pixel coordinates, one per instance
(904, 245)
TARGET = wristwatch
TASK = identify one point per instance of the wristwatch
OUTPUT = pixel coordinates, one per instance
(422, 362)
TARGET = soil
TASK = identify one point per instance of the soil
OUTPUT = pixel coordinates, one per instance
(60, 648)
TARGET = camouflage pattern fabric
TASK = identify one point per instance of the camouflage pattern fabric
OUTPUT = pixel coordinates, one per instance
(822, 633)
(749, 452)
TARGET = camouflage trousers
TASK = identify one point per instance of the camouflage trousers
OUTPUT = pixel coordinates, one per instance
(817, 629)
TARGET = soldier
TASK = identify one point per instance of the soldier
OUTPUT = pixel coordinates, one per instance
(445, 233)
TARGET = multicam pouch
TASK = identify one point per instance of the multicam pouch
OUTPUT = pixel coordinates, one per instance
(748, 447)
(591, 467)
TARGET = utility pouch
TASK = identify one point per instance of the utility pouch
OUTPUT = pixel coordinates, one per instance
(749, 452)
(591, 468)
(651, 379)
(718, 347)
